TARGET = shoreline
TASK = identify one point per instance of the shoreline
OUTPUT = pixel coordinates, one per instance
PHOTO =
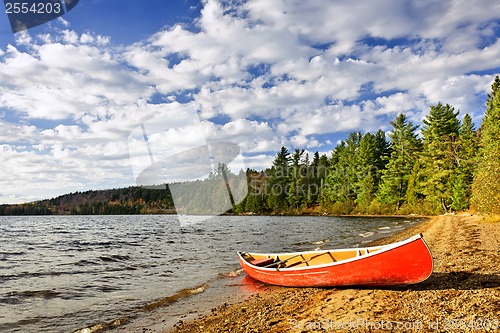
(228, 288)
(464, 289)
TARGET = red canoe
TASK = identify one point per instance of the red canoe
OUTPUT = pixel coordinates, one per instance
(405, 262)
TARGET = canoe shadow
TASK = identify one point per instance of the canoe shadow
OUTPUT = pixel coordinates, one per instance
(455, 280)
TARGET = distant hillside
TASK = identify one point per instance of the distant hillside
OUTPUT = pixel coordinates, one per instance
(131, 200)
(204, 194)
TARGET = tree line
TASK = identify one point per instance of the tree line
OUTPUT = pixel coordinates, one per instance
(124, 201)
(444, 165)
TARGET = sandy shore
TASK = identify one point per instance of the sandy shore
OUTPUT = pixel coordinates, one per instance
(462, 294)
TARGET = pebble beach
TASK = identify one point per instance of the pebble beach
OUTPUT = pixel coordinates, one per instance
(461, 295)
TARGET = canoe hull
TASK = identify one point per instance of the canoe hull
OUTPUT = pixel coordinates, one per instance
(407, 262)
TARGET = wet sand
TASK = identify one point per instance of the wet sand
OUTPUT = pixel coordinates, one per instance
(462, 294)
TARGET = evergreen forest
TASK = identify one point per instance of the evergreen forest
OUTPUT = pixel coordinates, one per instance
(446, 165)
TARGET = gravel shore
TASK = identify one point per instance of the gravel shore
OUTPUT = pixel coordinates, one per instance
(462, 294)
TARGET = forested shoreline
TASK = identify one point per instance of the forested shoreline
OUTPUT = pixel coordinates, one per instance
(446, 165)
(124, 201)
(443, 166)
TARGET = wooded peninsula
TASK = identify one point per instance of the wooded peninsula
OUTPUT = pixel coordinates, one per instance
(446, 165)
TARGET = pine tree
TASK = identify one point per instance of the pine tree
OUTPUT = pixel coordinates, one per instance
(459, 195)
(253, 203)
(486, 185)
(440, 136)
(413, 192)
(296, 194)
(367, 159)
(279, 179)
(314, 180)
(341, 177)
(405, 147)
(383, 148)
(466, 162)
(320, 177)
(315, 166)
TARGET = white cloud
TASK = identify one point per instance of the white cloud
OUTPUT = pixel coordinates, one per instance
(23, 38)
(58, 81)
(329, 119)
(8, 130)
(257, 161)
(252, 136)
(63, 22)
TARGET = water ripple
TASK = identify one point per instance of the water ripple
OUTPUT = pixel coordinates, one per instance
(61, 273)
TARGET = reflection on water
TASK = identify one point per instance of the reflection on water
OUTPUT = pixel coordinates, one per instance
(63, 273)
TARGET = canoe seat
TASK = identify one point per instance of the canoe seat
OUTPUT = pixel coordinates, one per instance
(262, 261)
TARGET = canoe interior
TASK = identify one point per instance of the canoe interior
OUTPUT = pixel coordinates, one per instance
(304, 259)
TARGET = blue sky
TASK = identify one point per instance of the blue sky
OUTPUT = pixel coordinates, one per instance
(126, 21)
(261, 74)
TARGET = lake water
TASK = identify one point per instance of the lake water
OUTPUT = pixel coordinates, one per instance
(66, 273)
